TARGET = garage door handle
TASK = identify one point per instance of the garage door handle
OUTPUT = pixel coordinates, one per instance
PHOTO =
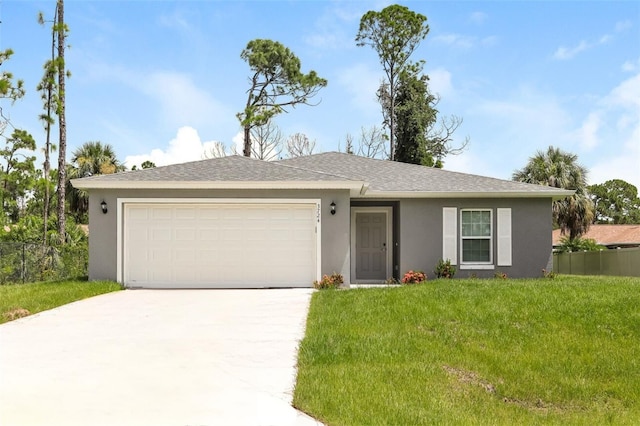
(384, 246)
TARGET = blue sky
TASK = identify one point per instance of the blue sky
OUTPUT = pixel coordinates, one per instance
(162, 80)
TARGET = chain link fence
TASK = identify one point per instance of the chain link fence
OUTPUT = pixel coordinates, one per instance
(28, 262)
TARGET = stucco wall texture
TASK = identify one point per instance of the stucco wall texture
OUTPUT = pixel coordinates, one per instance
(417, 229)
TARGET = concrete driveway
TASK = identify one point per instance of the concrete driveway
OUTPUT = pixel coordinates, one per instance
(156, 357)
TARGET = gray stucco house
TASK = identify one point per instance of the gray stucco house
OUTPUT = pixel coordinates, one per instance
(240, 222)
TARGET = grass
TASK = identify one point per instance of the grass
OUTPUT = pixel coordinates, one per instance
(19, 300)
(528, 352)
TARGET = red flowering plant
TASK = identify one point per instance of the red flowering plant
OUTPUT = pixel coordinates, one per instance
(414, 277)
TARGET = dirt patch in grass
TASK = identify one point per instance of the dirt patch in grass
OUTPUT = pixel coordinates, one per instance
(470, 377)
(474, 379)
(16, 313)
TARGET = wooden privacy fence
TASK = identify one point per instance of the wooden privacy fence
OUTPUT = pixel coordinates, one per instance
(624, 262)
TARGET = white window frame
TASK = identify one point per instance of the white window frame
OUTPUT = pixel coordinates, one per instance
(475, 264)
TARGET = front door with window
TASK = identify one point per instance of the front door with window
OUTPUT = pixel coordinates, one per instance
(371, 246)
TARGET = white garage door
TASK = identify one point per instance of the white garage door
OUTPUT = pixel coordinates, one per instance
(219, 245)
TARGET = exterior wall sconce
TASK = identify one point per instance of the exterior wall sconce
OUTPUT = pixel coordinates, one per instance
(103, 206)
(333, 207)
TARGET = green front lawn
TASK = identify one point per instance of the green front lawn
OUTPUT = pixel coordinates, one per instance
(18, 300)
(561, 351)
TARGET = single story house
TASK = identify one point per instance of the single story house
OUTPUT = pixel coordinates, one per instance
(237, 222)
(612, 236)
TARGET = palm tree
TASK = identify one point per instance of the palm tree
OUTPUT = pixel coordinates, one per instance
(561, 170)
(90, 159)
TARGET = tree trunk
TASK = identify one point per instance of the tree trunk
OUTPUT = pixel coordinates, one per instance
(392, 116)
(47, 146)
(247, 141)
(62, 148)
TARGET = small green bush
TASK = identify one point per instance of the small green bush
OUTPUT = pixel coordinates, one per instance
(444, 269)
(579, 244)
(329, 282)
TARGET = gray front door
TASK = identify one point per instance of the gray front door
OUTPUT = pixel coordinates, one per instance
(371, 246)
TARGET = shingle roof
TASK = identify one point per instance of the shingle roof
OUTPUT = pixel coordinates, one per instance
(232, 171)
(390, 176)
(608, 235)
(363, 176)
(232, 168)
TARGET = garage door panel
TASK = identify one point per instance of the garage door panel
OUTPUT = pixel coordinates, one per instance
(186, 213)
(185, 256)
(160, 234)
(138, 213)
(161, 213)
(208, 213)
(160, 257)
(208, 234)
(185, 234)
(220, 245)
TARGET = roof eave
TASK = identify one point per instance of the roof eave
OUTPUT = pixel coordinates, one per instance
(555, 195)
(352, 186)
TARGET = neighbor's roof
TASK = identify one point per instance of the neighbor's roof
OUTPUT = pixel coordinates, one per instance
(607, 235)
(364, 177)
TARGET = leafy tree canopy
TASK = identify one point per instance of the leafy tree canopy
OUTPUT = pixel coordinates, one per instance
(92, 158)
(561, 169)
(394, 33)
(145, 165)
(615, 201)
(579, 244)
(18, 173)
(276, 83)
(415, 115)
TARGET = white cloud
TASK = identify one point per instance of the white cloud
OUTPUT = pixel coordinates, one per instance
(237, 145)
(181, 101)
(361, 84)
(564, 53)
(623, 164)
(489, 41)
(627, 94)
(174, 20)
(463, 41)
(329, 29)
(455, 40)
(472, 163)
(506, 131)
(440, 81)
(631, 66)
(621, 160)
(478, 17)
(588, 133)
(186, 146)
(623, 26)
(174, 96)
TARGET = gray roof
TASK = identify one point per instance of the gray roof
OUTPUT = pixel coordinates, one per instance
(391, 176)
(363, 176)
(233, 168)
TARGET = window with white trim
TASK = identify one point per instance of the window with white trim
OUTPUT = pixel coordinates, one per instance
(476, 234)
